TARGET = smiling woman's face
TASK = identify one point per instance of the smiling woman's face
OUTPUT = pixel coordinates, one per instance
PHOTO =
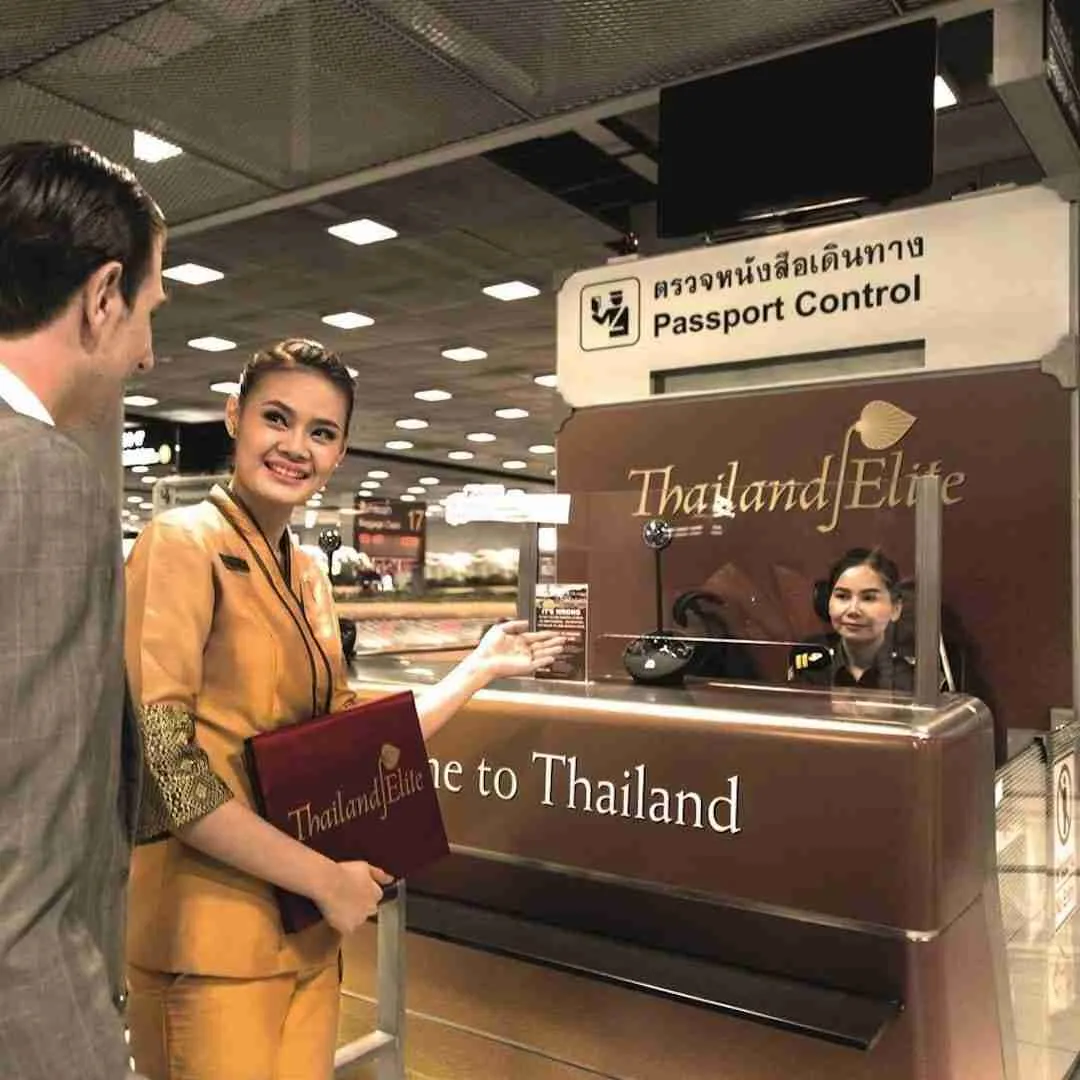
(861, 606)
(290, 436)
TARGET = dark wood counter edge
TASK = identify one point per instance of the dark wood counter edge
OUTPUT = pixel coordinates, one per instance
(852, 1020)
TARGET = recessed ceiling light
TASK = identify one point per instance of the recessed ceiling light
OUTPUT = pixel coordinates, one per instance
(140, 468)
(550, 381)
(378, 474)
(461, 455)
(433, 395)
(353, 373)
(140, 401)
(511, 414)
(428, 480)
(411, 423)
(398, 444)
(407, 498)
(225, 387)
(348, 320)
(362, 231)
(515, 464)
(416, 490)
(150, 148)
(542, 448)
(134, 499)
(192, 274)
(512, 290)
(212, 344)
(944, 95)
(149, 479)
(371, 485)
(146, 506)
(464, 354)
(480, 436)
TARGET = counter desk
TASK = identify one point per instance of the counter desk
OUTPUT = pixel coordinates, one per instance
(652, 882)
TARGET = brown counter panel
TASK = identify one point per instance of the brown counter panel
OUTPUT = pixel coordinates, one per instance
(948, 1031)
(852, 823)
(830, 956)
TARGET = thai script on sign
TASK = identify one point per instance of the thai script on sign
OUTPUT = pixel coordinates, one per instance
(754, 271)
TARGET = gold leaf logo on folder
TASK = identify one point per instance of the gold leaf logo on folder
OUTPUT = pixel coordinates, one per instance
(882, 424)
(389, 756)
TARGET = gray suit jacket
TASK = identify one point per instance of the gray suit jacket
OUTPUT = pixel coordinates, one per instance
(69, 755)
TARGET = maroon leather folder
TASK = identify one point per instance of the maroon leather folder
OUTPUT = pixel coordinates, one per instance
(352, 785)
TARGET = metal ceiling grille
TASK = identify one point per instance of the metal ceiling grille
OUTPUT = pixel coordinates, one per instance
(271, 95)
(294, 93)
(33, 30)
(557, 54)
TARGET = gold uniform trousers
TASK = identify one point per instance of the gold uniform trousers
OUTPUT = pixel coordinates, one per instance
(202, 1027)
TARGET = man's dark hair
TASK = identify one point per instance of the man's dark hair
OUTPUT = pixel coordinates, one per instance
(65, 211)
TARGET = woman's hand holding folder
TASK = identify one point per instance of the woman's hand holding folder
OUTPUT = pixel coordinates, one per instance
(351, 894)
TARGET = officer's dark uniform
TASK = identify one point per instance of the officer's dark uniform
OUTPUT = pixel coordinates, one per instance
(821, 662)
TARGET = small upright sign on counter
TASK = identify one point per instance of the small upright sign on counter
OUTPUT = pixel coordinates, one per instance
(565, 609)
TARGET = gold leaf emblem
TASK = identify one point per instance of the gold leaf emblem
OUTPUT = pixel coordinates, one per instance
(389, 756)
(882, 424)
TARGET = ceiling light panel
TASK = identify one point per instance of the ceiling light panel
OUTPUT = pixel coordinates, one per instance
(192, 274)
(464, 354)
(512, 290)
(212, 344)
(348, 320)
(511, 414)
(362, 231)
(411, 423)
(461, 455)
(398, 444)
(433, 395)
(944, 95)
(150, 148)
(480, 436)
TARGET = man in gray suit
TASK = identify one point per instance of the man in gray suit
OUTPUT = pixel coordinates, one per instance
(80, 273)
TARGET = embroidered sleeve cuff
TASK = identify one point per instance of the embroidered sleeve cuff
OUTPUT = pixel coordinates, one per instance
(181, 787)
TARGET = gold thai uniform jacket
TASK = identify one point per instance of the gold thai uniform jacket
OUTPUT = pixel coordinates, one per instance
(221, 643)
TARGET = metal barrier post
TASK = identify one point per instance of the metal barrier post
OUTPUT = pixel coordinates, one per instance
(927, 588)
(385, 1046)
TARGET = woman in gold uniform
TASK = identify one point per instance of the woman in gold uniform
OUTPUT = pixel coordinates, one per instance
(231, 630)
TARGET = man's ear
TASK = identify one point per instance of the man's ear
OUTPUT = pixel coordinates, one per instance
(102, 299)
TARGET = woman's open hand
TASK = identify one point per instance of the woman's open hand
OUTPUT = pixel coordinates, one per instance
(511, 648)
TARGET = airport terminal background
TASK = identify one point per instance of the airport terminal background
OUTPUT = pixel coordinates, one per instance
(416, 185)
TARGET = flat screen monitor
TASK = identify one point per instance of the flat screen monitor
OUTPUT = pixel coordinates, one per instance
(854, 120)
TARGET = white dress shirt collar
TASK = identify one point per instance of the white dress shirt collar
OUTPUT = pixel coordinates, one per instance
(21, 398)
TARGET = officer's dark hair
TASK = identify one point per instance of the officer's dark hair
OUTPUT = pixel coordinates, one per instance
(295, 353)
(65, 211)
(877, 560)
